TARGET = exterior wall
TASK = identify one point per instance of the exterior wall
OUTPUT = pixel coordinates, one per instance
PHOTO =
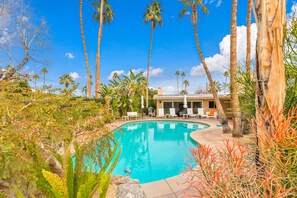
(205, 104)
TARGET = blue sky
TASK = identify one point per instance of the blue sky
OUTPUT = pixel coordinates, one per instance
(125, 42)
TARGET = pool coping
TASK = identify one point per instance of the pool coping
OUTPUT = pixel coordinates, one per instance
(176, 186)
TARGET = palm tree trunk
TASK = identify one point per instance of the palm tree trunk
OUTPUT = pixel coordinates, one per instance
(222, 116)
(43, 79)
(35, 83)
(177, 84)
(97, 87)
(85, 48)
(236, 115)
(149, 63)
(248, 38)
(270, 70)
(182, 83)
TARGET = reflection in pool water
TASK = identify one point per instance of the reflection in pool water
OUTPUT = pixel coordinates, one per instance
(155, 150)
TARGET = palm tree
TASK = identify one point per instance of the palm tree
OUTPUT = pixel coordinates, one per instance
(186, 83)
(217, 85)
(177, 73)
(236, 115)
(115, 76)
(35, 77)
(102, 15)
(67, 80)
(183, 75)
(193, 4)
(152, 14)
(248, 37)
(85, 48)
(85, 90)
(271, 81)
(44, 71)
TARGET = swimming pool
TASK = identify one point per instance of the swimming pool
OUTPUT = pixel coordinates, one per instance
(155, 150)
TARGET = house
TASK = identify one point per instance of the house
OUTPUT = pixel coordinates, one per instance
(194, 101)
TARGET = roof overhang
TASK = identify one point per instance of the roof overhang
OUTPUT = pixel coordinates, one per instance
(190, 97)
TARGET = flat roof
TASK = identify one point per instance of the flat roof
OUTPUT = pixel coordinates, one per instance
(189, 97)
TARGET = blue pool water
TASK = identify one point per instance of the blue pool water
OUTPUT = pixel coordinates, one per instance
(155, 150)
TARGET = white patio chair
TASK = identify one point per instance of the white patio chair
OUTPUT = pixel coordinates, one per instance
(161, 113)
(172, 112)
(190, 113)
(132, 114)
(201, 113)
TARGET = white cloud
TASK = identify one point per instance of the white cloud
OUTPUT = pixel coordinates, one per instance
(4, 20)
(78, 92)
(219, 62)
(187, 13)
(119, 72)
(169, 90)
(218, 2)
(69, 55)
(74, 75)
(135, 71)
(154, 71)
(293, 11)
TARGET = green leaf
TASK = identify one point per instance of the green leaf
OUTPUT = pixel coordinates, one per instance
(18, 193)
(56, 183)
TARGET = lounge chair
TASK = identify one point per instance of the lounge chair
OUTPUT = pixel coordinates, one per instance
(212, 114)
(132, 115)
(151, 112)
(201, 113)
(172, 113)
(190, 113)
(161, 113)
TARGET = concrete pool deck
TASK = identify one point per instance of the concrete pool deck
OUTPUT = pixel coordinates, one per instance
(176, 186)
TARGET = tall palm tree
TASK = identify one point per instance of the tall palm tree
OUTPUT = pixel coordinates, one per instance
(103, 14)
(177, 73)
(236, 115)
(270, 69)
(35, 77)
(186, 83)
(193, 4)
(248, 37)
(67, 80)
(85, 48)
(183, 75)
(152, 14)
(44, 71)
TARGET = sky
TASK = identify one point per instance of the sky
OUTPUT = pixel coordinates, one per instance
(125, 42)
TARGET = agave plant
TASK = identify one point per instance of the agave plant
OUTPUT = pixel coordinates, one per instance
(85, 174)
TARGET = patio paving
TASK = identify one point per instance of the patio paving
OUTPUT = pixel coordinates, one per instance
(176, 187)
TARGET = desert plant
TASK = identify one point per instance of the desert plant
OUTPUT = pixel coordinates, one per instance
(34, 127)
(291, 63)
(84, 175)
(232, 171)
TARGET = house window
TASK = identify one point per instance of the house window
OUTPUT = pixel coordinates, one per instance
(196, 105)
(212, 105)
(167, 106)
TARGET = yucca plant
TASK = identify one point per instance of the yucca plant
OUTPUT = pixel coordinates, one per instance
(85, 174)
